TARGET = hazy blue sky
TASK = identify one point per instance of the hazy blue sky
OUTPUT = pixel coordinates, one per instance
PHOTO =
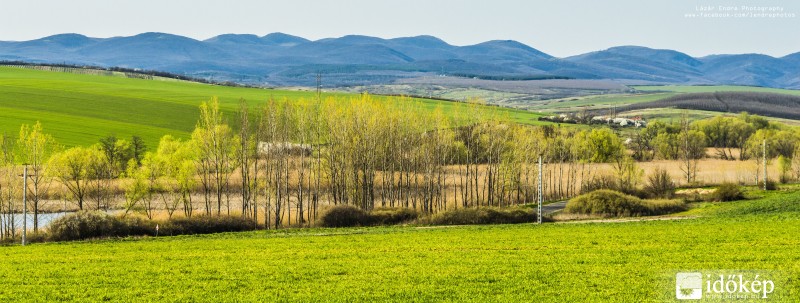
(561, 28)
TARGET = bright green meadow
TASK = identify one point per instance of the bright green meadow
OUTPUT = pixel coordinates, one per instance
(79, 109)
(569, 262)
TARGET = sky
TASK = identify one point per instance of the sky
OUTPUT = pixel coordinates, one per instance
(560, 28)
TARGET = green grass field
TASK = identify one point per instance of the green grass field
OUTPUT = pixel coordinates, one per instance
(79, 109)
(583, 262)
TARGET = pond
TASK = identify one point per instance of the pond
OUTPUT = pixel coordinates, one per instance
(44, 219)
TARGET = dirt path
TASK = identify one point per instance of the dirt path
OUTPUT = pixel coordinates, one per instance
(624, 220)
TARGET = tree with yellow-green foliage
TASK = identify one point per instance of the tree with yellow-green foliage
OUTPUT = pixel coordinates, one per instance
(34, 148)
(216, 145)
(73, 169)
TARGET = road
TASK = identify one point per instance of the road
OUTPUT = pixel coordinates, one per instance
(553, 207)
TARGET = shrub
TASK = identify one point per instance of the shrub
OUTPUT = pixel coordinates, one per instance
(94, 224)
(137, 226)
(727, 192)
(85, 225)
(198, 225)
(466, 216)
(351, 216)
(660, 207)
(344, 216)
(614, 203)
(660, 185)
(392, 216)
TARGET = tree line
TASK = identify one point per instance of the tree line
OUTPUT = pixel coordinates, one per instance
(282, 161)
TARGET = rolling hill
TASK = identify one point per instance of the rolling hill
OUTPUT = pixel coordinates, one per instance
(280, 59)
(761, 103)
(79, 109)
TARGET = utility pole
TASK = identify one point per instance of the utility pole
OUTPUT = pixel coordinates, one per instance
(540, 198)
(764, 154)
(319, 86)
(25, 205)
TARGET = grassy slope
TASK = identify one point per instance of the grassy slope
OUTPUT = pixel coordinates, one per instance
(612, 262)
(79, 109)
(652, 93)
(671, 114)
(715, 88)
(599, 101)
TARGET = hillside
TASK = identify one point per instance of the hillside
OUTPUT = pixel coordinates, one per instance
(280, 59)
(760, 103)
(79, 109)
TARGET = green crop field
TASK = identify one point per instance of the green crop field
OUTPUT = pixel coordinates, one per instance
(79, 109)
(583, 262)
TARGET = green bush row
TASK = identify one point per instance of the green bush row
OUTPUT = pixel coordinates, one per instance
(94, 224)
(491, 215)
(617, 204)
(350, 216)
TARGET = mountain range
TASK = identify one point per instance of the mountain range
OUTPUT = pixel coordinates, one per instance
(280, 59)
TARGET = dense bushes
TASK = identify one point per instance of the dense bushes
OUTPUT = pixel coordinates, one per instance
(391, 216)
(349, 216)
(85, 225)
(205, 225)
(463, 216)
(344, 216)
(94, 224)
(613, 203)
(727, 192)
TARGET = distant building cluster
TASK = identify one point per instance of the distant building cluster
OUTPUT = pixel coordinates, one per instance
(615, 122)
(621, 122)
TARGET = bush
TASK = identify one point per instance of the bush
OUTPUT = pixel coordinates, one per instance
(727, 192)
(351, 216)
(392, 216)
(661, 207)
(466, 216)
(614, 203)
(660, 185)
(94, 224)
(86, 225)
(198, 225)
(344, 216)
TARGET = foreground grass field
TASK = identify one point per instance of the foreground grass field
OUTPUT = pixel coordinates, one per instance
(590, 262)
(79, 109)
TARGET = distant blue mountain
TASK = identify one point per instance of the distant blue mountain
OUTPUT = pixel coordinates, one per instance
(282, 59)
